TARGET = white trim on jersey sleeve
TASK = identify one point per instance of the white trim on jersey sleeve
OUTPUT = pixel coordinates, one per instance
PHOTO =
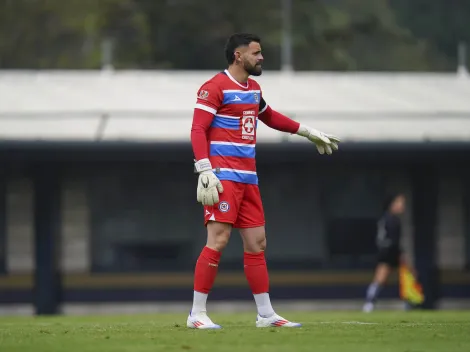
(206, 108)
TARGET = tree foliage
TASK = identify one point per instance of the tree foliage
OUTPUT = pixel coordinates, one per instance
(189, 34)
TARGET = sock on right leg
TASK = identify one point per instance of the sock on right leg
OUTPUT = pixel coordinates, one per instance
(263, 304)
(204, 276)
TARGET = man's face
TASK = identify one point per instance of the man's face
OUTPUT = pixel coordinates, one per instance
(398, 205)
(251, 58)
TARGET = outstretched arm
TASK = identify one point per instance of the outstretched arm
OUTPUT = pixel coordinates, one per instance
(280, 122)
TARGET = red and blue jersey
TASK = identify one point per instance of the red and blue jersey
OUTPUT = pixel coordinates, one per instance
(231, 136)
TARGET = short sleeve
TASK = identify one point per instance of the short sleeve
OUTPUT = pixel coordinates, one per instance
(209, 98)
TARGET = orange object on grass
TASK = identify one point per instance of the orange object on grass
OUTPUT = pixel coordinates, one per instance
(410, 289)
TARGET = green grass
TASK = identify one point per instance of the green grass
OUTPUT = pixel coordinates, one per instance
(322, 331)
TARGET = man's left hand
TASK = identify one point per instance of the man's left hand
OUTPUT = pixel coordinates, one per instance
(324, 142)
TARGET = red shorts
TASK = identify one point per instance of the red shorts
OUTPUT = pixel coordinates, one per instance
(240, 205)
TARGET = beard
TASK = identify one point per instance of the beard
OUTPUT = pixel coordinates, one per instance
(253, 70)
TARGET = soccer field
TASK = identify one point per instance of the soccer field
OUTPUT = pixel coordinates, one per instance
(324, 331)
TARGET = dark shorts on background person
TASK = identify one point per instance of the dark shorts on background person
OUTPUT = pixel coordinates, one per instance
(389, 256)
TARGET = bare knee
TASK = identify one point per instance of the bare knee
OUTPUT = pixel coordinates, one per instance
(261, 244)
(254, 239)
(218, 235)
(381, 273)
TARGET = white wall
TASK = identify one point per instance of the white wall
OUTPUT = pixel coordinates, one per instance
(158, 105)
(451, 222)
(75, 226)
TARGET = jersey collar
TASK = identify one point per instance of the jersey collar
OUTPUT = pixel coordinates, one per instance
(235, 81)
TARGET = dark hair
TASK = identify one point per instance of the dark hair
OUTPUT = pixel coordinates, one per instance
(236, 40)
(389, 199)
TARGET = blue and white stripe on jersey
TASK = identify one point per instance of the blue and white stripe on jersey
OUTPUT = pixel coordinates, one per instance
(239, 150)
(225, 121)
(241, 176)
(228, 122)
(241, 96)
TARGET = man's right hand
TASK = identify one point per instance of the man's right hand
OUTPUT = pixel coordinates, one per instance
(209, 186)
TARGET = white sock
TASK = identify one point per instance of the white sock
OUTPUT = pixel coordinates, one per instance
(199, 302)
(263, 304)
(372, 292)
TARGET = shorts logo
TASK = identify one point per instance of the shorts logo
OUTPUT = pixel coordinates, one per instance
(224, 207)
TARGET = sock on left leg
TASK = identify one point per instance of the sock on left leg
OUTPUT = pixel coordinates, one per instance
(256, 272)
(372, 292)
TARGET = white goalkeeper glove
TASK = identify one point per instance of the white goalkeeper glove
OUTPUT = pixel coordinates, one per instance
(208, 186)
(324, 142)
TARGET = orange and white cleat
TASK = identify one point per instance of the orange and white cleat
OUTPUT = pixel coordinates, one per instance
(200, 321)
(275, 321)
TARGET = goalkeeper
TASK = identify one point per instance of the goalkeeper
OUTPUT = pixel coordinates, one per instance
(223, 138)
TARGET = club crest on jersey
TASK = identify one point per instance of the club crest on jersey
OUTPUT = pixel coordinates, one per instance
(224, 206)
(203, 94)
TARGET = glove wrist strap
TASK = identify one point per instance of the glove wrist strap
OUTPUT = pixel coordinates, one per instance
(202, 165)
(303, 131)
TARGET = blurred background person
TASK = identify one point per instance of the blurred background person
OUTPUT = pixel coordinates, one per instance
(390, 252)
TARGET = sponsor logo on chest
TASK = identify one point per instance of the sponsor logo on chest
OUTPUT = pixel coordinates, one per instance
(248, 124)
